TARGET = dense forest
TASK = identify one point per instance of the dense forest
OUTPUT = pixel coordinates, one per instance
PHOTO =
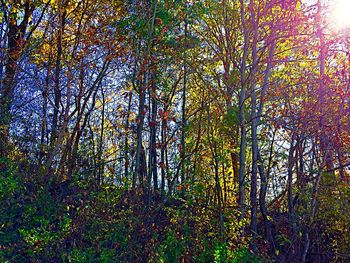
(175, 131)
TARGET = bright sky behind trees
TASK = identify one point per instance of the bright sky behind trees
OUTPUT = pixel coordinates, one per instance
(340, 14)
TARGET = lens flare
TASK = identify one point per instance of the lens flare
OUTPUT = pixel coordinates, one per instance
(341, 14)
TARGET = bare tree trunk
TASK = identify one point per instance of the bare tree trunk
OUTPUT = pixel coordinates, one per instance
(219, 199)
(341, 158)
(140, 121)
(217, 190)
(313, 214)
(15, 47)
(291, 163)
(83, 119)
(183, 116)
(71, 147)
(225, 185)
(100, 145)
(62, 133)
(153, 135)
(300, 161)
(142, 95)
(57, 88)
(242, 121)
(162, 156)
(126, 142)
(263, 207)
(254, 127)
(324, 140)
(43, 145)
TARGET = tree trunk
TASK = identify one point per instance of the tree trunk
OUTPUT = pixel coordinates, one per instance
(263, 207)
(57, 88)
(15, 47)
(254, 127)
(153, 136)
(126, 142)
(162, 156)
(291, 163)
(142, 97)
(242, 122)
(43, 144)
(183, 116)
(100, 145)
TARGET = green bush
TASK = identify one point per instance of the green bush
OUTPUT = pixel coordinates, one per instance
(172, 248)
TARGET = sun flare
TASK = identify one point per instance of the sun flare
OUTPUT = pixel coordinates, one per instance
(341, 14)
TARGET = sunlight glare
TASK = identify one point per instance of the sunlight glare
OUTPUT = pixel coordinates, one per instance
(341, 14)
